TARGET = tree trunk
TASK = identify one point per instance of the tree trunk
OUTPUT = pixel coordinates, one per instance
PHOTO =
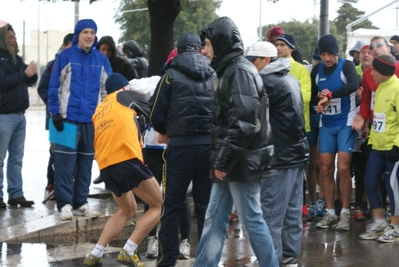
(163, 14)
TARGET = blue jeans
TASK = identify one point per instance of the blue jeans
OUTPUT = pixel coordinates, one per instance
(281, 198)
(72, 169)
(246, 198)
(12, 139)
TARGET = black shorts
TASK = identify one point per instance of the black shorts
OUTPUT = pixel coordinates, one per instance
(123, 177)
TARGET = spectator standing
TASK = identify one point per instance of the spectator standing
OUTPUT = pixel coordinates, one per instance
(181, 111)
(119, 64)
(42, 89)
(77, 86)
(15, 77)
(243, 149)
(132, 51)
(281, 195)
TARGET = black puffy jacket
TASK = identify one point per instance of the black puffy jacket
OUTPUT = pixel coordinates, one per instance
(237, 149)
(286, 115)
(182, 105)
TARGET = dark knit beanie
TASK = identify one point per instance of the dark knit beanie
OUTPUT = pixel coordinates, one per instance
(288, 39)
(114, 82)
(384, 64)
(328, 44)
(316, 54)
(395, 37)
(67, 39)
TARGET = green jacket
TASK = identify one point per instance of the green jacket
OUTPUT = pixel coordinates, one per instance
(300, 72)
(385, 129)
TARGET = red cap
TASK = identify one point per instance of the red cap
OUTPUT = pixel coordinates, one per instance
(274, 31)
(366, 46)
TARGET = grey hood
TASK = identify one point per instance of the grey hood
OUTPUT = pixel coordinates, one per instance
(282, 65)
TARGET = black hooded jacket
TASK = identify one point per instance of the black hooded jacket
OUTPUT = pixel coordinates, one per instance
(14, 96)
(241, 149)
(136, 57)
(119, 64)
(182, 104)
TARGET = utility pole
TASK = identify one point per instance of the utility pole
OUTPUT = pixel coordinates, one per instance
(76, 12)
(324, 24)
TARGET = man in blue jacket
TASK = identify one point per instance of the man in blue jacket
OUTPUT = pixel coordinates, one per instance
(42, 90)
(77, 86)
(15, 77)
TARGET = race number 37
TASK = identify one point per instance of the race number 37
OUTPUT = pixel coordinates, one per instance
(379, 122)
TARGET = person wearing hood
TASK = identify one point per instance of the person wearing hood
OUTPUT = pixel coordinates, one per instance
(242, 147)
(132, 51)
(42, 90)
(106, 45)
(15, 78)
(355, 52)
(77, 86)
(281, 195)
(181, 111)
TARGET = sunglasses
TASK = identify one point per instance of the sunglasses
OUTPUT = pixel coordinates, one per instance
(376, 45)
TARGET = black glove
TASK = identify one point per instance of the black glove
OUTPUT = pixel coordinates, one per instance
(58, 122)
(393, 154)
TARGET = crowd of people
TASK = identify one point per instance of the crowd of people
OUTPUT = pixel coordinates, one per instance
(250, 133)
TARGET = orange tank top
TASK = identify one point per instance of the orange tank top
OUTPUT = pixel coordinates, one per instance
(116, 133)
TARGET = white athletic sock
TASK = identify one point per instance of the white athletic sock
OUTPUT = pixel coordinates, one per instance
(345, 210)
(130, 247)
(379, 221)
(331, 211)
(98, 251)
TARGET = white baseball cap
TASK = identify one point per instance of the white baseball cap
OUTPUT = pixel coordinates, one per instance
(261, 49)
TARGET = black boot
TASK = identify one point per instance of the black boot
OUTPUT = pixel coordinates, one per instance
(20, 201)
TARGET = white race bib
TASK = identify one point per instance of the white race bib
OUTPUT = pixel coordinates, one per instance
(372, 100)
(334, 107)
(379, 122)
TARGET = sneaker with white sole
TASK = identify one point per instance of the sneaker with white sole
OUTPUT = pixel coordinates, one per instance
(87, 211)
(344, 221)
(390, 235)
(289, 262)
(374, 230)
(184, 249)
(327, 221)
(152, 247)
(66, 213)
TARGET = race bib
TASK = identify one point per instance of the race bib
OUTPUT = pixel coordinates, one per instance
(379, 122)
(334, 107)
(372, 100)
